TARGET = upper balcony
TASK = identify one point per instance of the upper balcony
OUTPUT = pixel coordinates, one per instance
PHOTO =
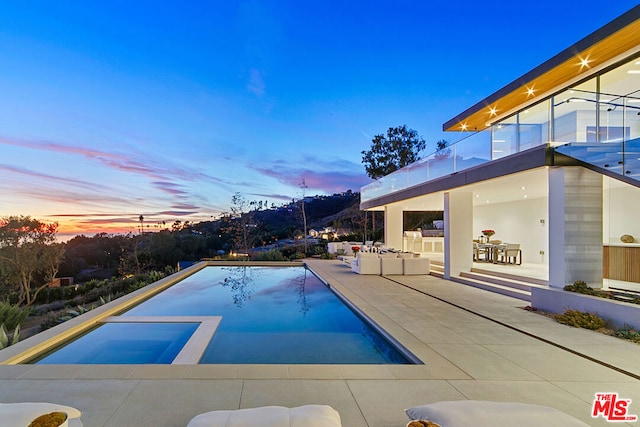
(597, 128)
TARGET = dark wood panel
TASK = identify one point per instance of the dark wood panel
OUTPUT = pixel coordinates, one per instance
(621, 263)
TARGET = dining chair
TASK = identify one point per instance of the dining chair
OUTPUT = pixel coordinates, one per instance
(510, 254)
(478, 253)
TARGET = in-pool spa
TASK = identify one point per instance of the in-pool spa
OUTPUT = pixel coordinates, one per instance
(237, 315)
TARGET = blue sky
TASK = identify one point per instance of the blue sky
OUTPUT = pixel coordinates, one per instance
(111, 110)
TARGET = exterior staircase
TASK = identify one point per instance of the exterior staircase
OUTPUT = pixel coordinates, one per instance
(507, 284)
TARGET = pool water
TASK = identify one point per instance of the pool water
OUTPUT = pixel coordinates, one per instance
(271, 315)
(133, 343)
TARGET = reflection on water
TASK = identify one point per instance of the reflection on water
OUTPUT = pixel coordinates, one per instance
(241, 282)
(298, 284)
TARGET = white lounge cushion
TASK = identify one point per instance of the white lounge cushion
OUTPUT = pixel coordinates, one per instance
(270, 416)
(366, 263)
(477, 413)
(391, 266)
(416, 266)
(21, 414)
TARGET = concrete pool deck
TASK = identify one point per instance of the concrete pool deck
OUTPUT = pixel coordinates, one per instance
(475, 345)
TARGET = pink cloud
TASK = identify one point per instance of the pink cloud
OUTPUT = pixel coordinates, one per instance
(150, 168)
(39, 175)
(329, 177)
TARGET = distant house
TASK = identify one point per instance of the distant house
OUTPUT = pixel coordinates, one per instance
(60, 281)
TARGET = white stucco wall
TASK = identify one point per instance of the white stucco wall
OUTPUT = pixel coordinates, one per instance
(621, 207)
(517, 222)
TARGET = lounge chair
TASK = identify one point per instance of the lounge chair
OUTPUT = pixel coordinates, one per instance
(270, 416)
(477, 413)
(23, 413)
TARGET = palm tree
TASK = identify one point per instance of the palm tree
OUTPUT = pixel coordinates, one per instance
(141, 218)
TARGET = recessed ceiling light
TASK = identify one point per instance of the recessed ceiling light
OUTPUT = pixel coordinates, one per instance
(525, 196)
(584, 62)
(633, 72)
(523, 188)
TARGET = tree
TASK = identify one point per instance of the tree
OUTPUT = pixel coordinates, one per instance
(240, 221)
(28, 253)
(400, 147)
(443, 152)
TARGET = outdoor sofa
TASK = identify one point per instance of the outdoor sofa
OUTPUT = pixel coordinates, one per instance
(390, 263)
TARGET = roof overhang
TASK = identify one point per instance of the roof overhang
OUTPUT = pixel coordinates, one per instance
(598, 49)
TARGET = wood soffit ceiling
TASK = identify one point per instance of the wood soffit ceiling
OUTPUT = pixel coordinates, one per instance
(596, 50)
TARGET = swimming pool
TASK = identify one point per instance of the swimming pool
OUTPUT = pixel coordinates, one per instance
(240, 315)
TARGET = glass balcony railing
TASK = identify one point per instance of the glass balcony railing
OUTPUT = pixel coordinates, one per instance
(473, 150)
(609, 136)
(597, 128)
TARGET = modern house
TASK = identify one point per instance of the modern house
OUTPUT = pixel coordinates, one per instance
(550, 162)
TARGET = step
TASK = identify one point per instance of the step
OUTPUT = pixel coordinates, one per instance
(492, 287)
(437, 268)
(436, 272)
(511, 276)
(498, 280)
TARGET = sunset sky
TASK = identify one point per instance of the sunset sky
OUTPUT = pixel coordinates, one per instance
(114, 109)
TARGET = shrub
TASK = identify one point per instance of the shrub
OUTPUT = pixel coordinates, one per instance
(628, 333)
(319, 250)
(579, 319)
(297, 255)
(581, 287)
(12, 315)
(270, 255)
(5, 339)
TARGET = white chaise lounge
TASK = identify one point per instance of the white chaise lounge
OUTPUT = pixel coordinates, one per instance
(23, 413)
(270, 416)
